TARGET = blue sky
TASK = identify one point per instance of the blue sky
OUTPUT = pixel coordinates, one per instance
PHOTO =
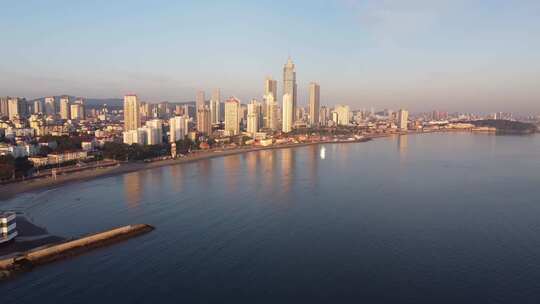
(454, 55)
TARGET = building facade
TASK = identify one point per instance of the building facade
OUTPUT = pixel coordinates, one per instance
(314, 104)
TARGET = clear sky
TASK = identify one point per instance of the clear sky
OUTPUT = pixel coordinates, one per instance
(455, 55)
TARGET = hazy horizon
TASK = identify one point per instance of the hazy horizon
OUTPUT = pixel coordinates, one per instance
(465, 56)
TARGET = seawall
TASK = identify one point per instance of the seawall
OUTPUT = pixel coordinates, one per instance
(37, 257)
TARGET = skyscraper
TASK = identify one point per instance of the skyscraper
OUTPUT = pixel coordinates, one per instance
(4, 109)
(271, 119)
(232, 116)
(15, 108)
(314, 103)
(204, 124)
(50, 106)
(270, 87)
(199, 99)
(76, 111)
(215, 107)
(289, 84)
(178, 126)
(403, 118)
(132, 118)
(253, 117)
(38, 106)
(288, 116)
(324, 116)
(64, 107)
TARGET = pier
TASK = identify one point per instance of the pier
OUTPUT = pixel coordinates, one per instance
(37, 257)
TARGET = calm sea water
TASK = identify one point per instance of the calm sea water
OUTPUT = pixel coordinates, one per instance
(441, 218)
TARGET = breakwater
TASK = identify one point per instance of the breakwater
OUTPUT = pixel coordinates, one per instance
(37, 257)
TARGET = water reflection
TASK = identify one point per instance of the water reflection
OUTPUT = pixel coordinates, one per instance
(287, 169)
(402, 143)
(231, 166)
(177, 178)
(133, 189)
(204, 168)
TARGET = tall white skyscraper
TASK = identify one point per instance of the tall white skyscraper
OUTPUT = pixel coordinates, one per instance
(132, 117)
(50, 107)
(288, 113)
(178, 125)
(314, 104)
(253, 117)
(215, 107)
(403, 119)
(64, 107)
(289, 84)
(199, 99)
(232, 116)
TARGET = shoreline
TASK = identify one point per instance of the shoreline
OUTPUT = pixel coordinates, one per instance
(11, 190)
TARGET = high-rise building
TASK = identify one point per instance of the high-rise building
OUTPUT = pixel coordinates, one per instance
(4, 109)
(314, 104)
(15, 108)
(403, 119)
(343, 113)
(38, 107)
(288, 113)
(50, 106)
(270, 87)
(64, 107)
(154, 130)
(199, 99)
(215, 107)
(77, 111)
(179, 126)
(324, 116)
(132, 118)
(232, 116)
(204, 124)
(253, 109)
(138, 136)
(289, 83)
(272, 118)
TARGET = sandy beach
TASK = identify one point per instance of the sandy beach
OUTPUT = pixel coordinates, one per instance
(10, 190)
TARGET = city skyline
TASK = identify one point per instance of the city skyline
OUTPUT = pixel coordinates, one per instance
(469, 56)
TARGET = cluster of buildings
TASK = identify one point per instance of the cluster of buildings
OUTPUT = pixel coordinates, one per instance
(24, 124)
(256, 119)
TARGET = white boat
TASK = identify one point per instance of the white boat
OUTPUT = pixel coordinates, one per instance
(8, 226)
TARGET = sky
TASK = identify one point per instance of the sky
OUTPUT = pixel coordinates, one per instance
(450, 55)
